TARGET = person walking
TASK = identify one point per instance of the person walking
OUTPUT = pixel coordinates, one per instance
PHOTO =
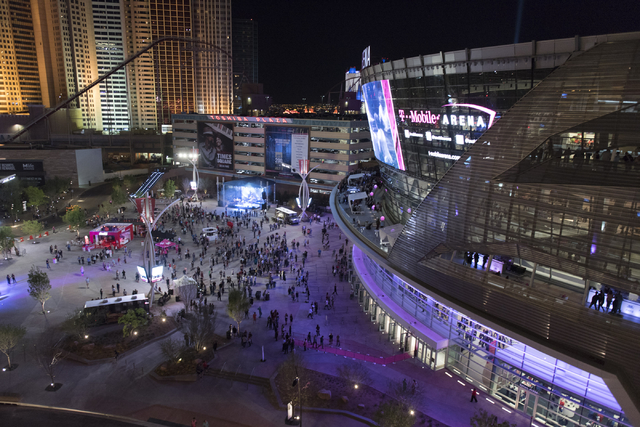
(474, 393)
(338, 340)
(81, 270)
(87, 281)
(118, 287)
(322, 341)
(194, 422)
(48, 266)
(100, 293)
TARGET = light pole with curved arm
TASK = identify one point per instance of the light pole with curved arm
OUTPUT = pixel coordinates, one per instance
(148, 249)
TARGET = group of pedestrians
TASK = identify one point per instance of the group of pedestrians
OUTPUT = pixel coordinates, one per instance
(613, 301)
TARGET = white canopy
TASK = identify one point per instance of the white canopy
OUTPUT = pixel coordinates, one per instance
(390, 233)
(115, 300)
(355, 176)
(356, 196)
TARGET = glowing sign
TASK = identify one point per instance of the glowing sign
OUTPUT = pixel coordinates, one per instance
(427, 117)
(443, 155)
(142, 273)
(491, 113)
(156, 273)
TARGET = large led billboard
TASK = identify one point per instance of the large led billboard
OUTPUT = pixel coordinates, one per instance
(215, 142)
(382, 123)
(284, 148)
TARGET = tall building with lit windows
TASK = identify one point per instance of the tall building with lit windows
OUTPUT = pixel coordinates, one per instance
(66, 47)
(141, 76)
(19, 81)
(245, 57)
(108, 21)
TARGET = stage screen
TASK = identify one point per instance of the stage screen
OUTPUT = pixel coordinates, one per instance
(215, 141)
(382, 123)
(243, 195)
(285, 145)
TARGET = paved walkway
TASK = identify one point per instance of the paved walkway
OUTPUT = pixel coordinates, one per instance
(124, 388)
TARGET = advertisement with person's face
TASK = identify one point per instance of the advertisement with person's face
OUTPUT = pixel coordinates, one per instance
(215, 142)
(382, 123)
(284, 148)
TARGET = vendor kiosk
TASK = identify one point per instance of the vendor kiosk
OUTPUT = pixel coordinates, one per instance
(111, 235)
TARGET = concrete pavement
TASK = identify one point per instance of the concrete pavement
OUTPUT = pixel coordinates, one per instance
(124, 388)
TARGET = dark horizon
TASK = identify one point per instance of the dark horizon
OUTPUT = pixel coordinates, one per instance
(305, 48)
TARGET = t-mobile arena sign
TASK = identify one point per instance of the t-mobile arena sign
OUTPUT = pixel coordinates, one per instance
(466, 121)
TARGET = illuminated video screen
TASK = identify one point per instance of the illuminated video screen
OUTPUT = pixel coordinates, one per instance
(382, 123)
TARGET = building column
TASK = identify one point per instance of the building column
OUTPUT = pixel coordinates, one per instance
(585, 295)
(533, 274)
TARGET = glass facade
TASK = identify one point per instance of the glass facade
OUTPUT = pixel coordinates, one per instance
(544, 193)
(551, 391)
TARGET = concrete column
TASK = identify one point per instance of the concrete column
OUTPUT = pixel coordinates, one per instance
(585, 295)
(533, 274)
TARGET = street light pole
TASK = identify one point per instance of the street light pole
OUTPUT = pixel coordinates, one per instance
(297, 382)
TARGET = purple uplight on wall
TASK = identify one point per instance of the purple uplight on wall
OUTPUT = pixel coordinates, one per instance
(381, 218)
(373, 207)
(593, 248)
(371, 194)
(375, 187)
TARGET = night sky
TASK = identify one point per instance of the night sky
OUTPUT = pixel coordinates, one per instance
(305, 47)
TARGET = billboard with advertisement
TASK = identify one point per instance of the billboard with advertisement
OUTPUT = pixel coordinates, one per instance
(215, 142)
(284, 148)
(382, 123)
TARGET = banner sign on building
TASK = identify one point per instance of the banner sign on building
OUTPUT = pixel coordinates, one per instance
(366, 57)
(145, 206)
(215, 141)
(284, 148)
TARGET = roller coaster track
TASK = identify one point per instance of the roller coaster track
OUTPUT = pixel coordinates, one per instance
(109, 74)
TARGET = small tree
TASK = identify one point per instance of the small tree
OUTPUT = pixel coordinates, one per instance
(484, 419)
(200, 326)
(107, 209)
(128, 182)
(238, 305)
(7, 241)
(39, 285)
(169, 189)
(295, 367)
(47, 352)
(35, 196)
(186, 185)
(393, 414)
(118, 195)
(408, 395)
(77, 323)
(172, 349)
(133, 319)
(32, 228)
(74, 217)
(187, 294)
(10, 335)
(354, 373)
